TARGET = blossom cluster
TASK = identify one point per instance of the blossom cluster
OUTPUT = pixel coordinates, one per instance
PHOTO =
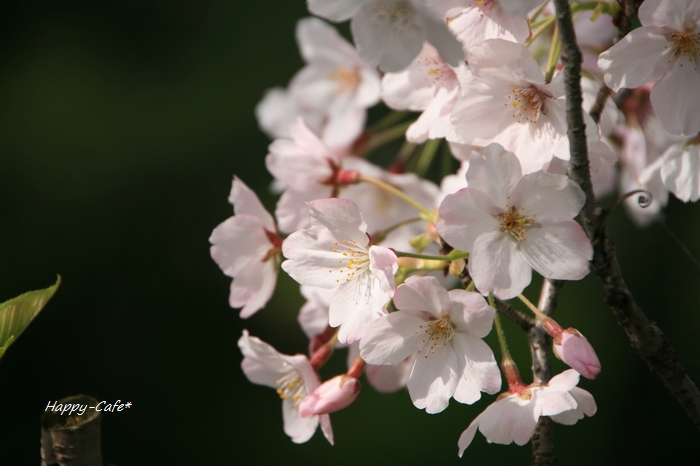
(406, 272)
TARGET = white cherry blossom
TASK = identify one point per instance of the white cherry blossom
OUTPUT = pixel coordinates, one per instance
(292, 377)
(428, 85)
(513, 417)
(247, 247)
(512, 224)
(667, 49)
(507, 101)
(679, 168)
(390, 33)
(333, 251)
(444, 331)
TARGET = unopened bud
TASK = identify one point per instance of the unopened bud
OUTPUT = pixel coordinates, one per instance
(333, 395)
(574, 349)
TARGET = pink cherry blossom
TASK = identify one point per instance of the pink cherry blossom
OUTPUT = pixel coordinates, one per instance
(333, 395)
(667, 49)
(246, 247)
(333, 251)
(574, 349)
(292, 377)
(513, 417)
(512, 224)
(444, 331)
(506, 100)
(390, 33)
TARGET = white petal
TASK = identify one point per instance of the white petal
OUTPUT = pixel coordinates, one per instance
(383, 266)
(551, 198)
(298, 428)
(467, 436)
(471, 313)
(671, 14)
(392, 338)
(585, 406)
(423, 294)
(681, 171)
(497, 266)
(641, 56)
(462, 221)
(561, 251)
(342, 217)
(245, 201)
(433, 380)
(478, 370)
(509, 419)
(675, 97)
(355, 305)
(496, 174)
(334, 10)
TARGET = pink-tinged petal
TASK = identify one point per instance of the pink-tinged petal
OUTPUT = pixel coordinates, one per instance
(292, 211)
(462, 221)
(423, 294)
(675, 97)
(641, 56)
(262, 364)
(467, 436)
(670, 14)
(477, 371)
(344, 124)
(246, 202)
(498, 267)
(355, 305)
(434, 122)
(320, 42)
(519, 7)
(299, 429)
(335, 10)
(563, 382)
(561, 251)
(496, 173)
(313, 315)
(388, 379)
(509, 419)
(551, 198)
(470, 313)
(680, 171)
(237, 241)
(437, 34)
(500, 58)
(332, 395)
(325, 421)
(433, 380)
(392, 338)
(552, 403)
(585, 406)
(383, 267)
(260, 280)
(342, 217)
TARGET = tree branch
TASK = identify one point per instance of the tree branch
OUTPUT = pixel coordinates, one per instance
(647, 340)
(541, 348)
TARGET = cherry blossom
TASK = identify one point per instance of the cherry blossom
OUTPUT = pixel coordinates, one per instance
(333, 395)
(390, 33)
(667, 49)
(247, 247)
(429, 85)
(334, 251)
(444, 331)
(574, 349)
(292, 377)
(476, 21)
(506, 100)
(512, 224)
(335, 82)
(513, 417)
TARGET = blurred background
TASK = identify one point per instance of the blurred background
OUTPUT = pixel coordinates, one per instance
(121, 126)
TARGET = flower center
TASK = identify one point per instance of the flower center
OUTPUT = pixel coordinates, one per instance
(439, 333)
(528, 103)
(291, 387)
(353, 259)
(436, 72)
(347, 78)
(685, 43)
(398, 14)
(514, 223)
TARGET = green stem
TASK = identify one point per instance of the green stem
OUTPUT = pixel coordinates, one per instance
(532, 307)
(554, 52)
(501, 334)
(398, 193)
(389, 120)
(426, 156)
(538, 12)
(379, 236)
(451, 257)
(387, 135)
(471, 286)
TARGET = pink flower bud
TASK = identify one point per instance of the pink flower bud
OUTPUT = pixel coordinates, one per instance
(333, 395)
(573, 348)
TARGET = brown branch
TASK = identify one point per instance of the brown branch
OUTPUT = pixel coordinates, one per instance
(647, 340)
(541, 349)
(514, 315)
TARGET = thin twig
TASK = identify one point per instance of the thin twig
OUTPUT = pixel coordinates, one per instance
(541, 348)
(647, 340)
(514, 315)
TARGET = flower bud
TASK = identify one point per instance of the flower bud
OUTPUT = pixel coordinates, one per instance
(333, 395)
(573, 348)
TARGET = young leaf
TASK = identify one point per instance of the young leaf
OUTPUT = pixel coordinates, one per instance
(17, 313)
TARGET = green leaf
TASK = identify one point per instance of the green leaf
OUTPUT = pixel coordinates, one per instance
(17, 313)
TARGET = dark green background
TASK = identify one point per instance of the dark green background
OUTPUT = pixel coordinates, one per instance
(121, 126)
